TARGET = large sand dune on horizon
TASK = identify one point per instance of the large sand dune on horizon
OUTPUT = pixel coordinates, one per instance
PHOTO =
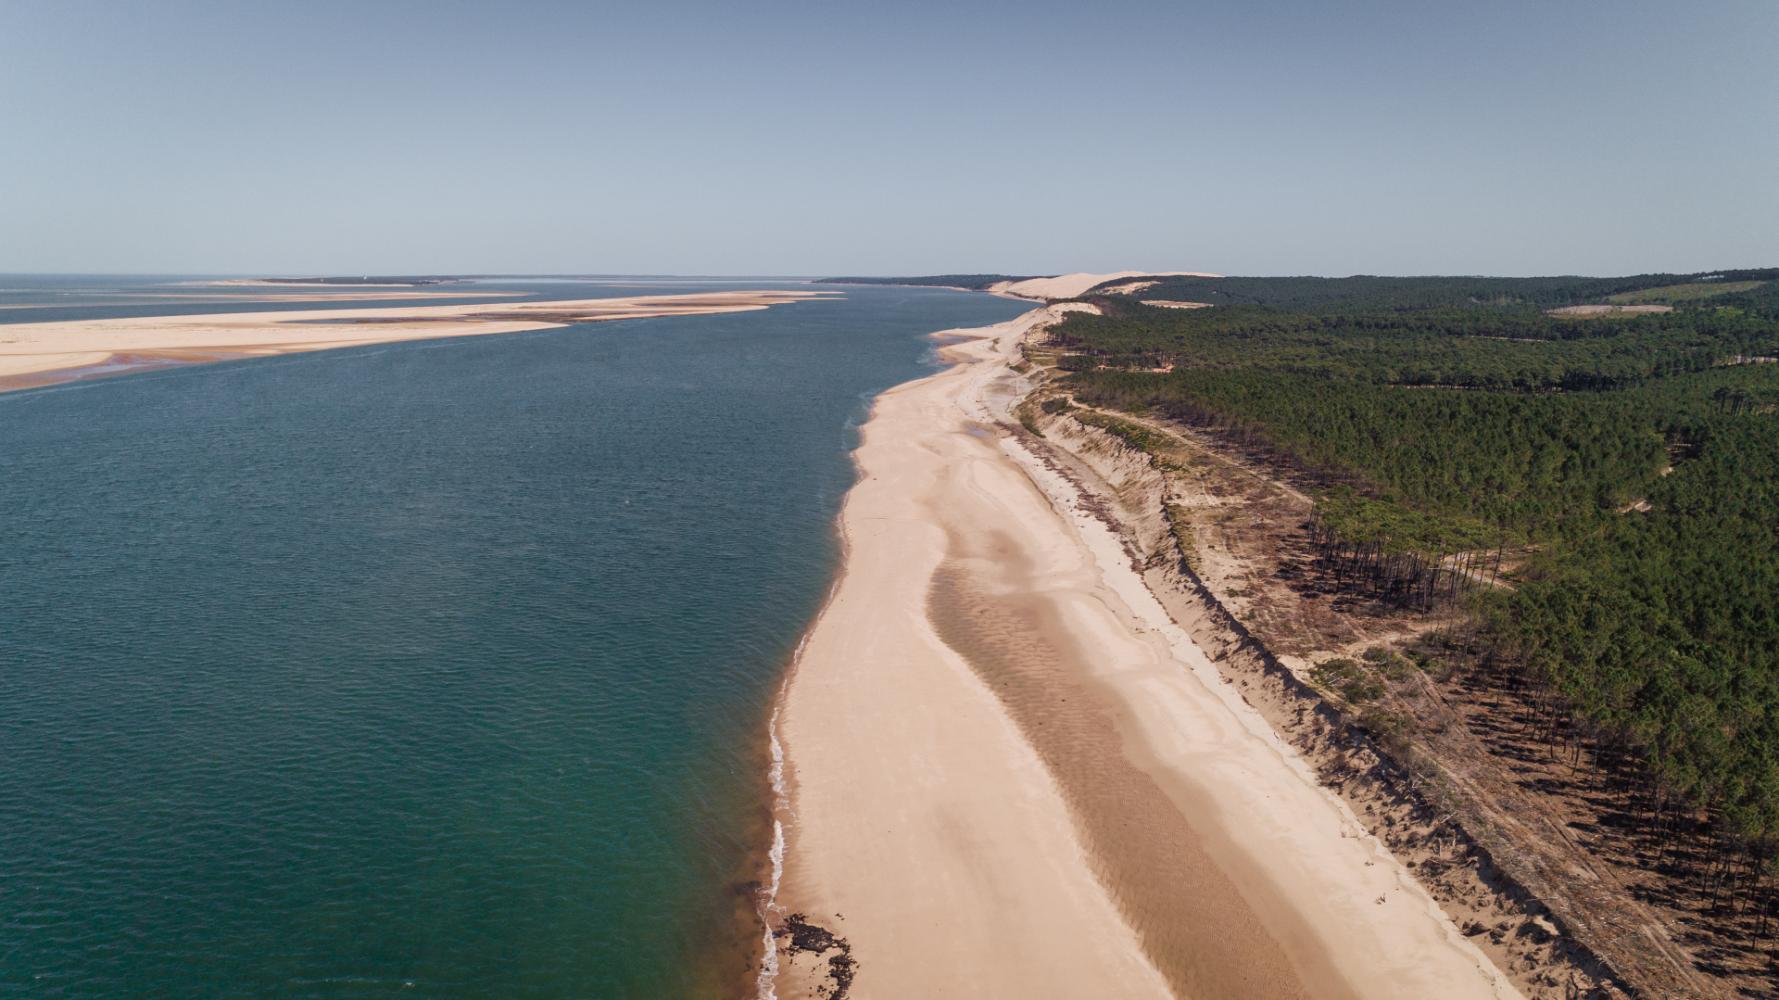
(1068, 286)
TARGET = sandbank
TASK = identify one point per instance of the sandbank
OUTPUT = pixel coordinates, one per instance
(35, 354)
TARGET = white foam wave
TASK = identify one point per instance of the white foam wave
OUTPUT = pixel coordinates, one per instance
(767, 982)
(769, 899)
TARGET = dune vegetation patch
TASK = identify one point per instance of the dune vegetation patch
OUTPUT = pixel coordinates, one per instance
(1687, 292)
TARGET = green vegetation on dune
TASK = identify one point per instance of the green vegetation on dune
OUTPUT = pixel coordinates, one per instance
(1136, 435)
(1449, 417)
(1684, 293)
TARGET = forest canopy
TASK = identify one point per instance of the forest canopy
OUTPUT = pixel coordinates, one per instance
(1634, 455)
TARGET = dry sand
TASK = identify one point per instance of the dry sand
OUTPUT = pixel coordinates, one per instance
(1011, 775)
(1068, 286)
(184, 298)
(1610, 310)
(33, 354)
(247, 299)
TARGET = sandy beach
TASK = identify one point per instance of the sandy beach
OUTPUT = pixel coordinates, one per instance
(1009, 774)
(35, 354)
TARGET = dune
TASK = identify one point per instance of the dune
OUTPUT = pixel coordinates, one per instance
(1068, 286)
(34, 354)
(1010, 774)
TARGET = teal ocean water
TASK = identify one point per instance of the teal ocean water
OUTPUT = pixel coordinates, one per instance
(423, 670)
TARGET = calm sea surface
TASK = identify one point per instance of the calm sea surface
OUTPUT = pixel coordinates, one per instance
(421, 670)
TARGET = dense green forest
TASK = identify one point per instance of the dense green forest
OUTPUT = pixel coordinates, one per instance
(1635, 458)
(1372, 293)
(975, 282)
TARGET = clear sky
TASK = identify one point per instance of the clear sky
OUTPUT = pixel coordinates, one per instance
(1580, 136)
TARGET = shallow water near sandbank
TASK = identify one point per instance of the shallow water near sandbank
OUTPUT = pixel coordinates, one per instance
(429, 669)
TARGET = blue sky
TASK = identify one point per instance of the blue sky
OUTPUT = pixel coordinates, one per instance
(797, 138)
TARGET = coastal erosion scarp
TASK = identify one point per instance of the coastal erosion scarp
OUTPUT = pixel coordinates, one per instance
(1011, 774)
(37, 354)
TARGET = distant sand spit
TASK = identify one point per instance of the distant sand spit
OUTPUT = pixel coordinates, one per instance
(175, 298)
(1011, 775)
(35, 354)
(299, 283)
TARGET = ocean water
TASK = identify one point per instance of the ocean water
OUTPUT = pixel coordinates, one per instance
(421, 670)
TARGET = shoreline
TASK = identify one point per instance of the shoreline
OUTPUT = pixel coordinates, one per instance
(881, 817)
(33, 355)
(811, 931)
